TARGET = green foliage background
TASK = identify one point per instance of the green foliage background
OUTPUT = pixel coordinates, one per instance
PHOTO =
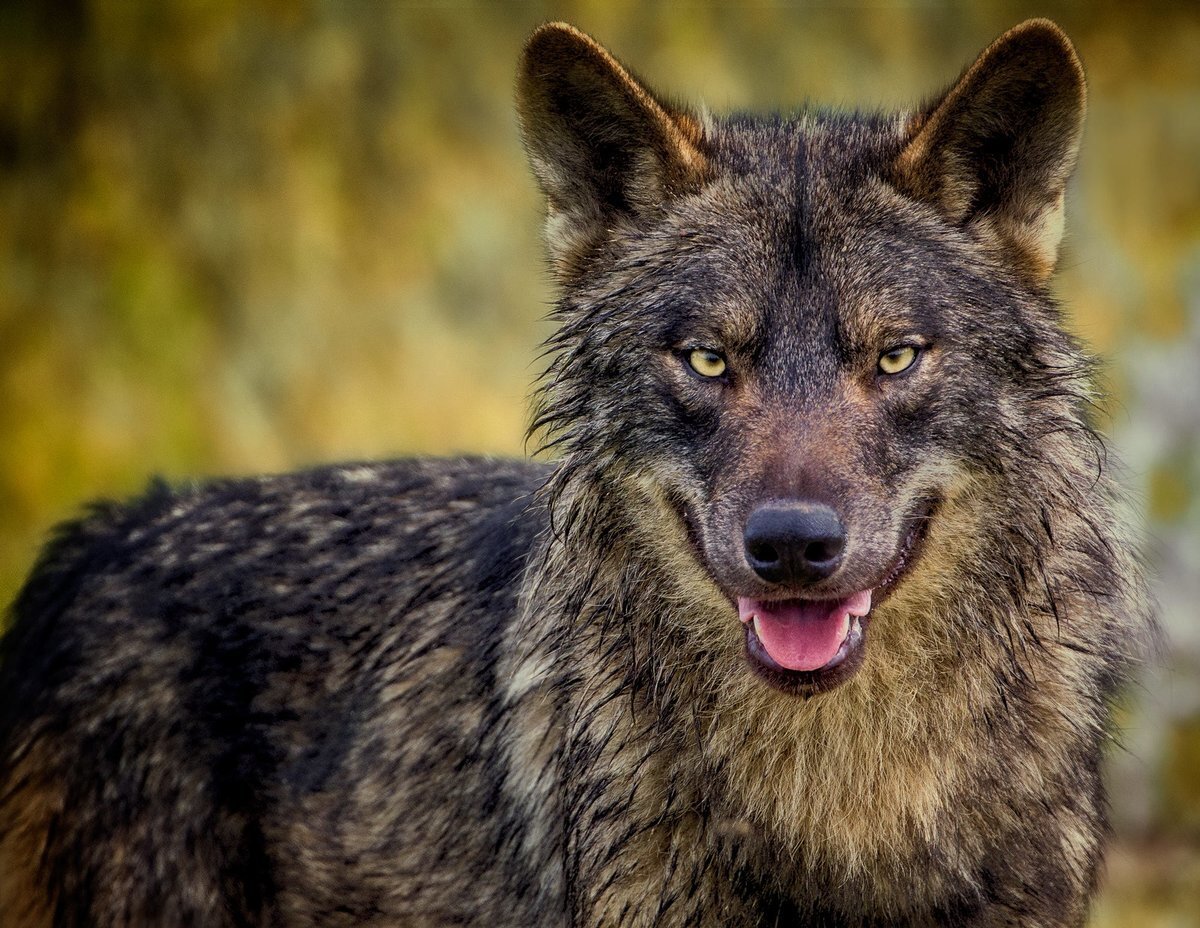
(240, 237)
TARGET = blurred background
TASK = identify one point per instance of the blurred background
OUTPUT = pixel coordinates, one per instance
(240, 237)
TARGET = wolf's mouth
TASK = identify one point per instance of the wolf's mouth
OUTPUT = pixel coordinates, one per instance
(910, 549)
(806, 646)
(804, 635)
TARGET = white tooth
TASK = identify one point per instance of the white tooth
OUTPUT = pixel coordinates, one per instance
(754, 622)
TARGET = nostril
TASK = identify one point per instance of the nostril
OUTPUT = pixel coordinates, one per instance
(762, 552)
(824, 550)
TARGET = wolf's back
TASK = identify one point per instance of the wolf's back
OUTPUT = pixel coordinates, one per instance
(184, 675)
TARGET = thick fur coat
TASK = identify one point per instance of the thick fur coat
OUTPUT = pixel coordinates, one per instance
(803, 365)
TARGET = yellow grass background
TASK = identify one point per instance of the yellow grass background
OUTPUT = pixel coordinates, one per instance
(241, 237)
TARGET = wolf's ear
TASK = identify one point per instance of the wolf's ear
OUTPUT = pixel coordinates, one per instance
(602, 146)
(996, 150)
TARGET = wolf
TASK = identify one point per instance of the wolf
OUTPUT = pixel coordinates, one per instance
(814, 613)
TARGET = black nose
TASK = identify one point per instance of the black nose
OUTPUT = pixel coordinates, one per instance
(794, 542)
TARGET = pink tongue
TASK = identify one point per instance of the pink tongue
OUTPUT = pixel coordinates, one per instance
(803, 635)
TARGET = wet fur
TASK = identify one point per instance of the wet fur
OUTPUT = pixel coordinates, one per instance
(502, 693)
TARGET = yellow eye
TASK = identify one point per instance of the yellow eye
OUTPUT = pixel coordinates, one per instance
(897, 360)
(706, 362)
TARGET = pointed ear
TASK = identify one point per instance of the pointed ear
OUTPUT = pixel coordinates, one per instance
(996, 150)
(603, 147)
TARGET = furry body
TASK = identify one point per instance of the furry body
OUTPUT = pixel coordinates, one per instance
(476, 692)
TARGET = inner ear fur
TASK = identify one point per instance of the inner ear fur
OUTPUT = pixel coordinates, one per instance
(996, 150)
(602, 146)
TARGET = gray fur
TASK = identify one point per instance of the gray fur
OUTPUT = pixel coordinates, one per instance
(503, 693)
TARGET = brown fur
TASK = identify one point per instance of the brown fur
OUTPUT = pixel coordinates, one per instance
(28, 811)
(510, 694)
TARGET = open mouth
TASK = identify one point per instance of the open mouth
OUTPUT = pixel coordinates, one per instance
(803, 646)
(806, 646)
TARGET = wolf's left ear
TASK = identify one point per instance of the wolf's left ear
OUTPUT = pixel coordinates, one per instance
(603, 147)
(996, 150)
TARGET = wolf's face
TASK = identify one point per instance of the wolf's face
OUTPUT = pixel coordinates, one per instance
(805, 335)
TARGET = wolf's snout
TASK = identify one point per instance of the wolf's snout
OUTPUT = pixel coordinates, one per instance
(794, 543)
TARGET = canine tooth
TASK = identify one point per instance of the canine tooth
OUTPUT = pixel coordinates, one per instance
(754, 622)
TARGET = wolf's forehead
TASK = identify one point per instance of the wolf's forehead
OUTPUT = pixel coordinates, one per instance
(809, 152)
(794, 220)
(796, 186)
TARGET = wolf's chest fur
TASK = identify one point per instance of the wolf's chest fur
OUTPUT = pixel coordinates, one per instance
(816, 618)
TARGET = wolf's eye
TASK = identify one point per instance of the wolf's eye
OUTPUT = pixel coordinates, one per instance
(897, 360)
(706, 362)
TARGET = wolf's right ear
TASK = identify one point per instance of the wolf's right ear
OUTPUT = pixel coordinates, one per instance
(604, 149)
(994, 153)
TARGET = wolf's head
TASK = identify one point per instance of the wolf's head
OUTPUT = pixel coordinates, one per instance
(815, 356)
